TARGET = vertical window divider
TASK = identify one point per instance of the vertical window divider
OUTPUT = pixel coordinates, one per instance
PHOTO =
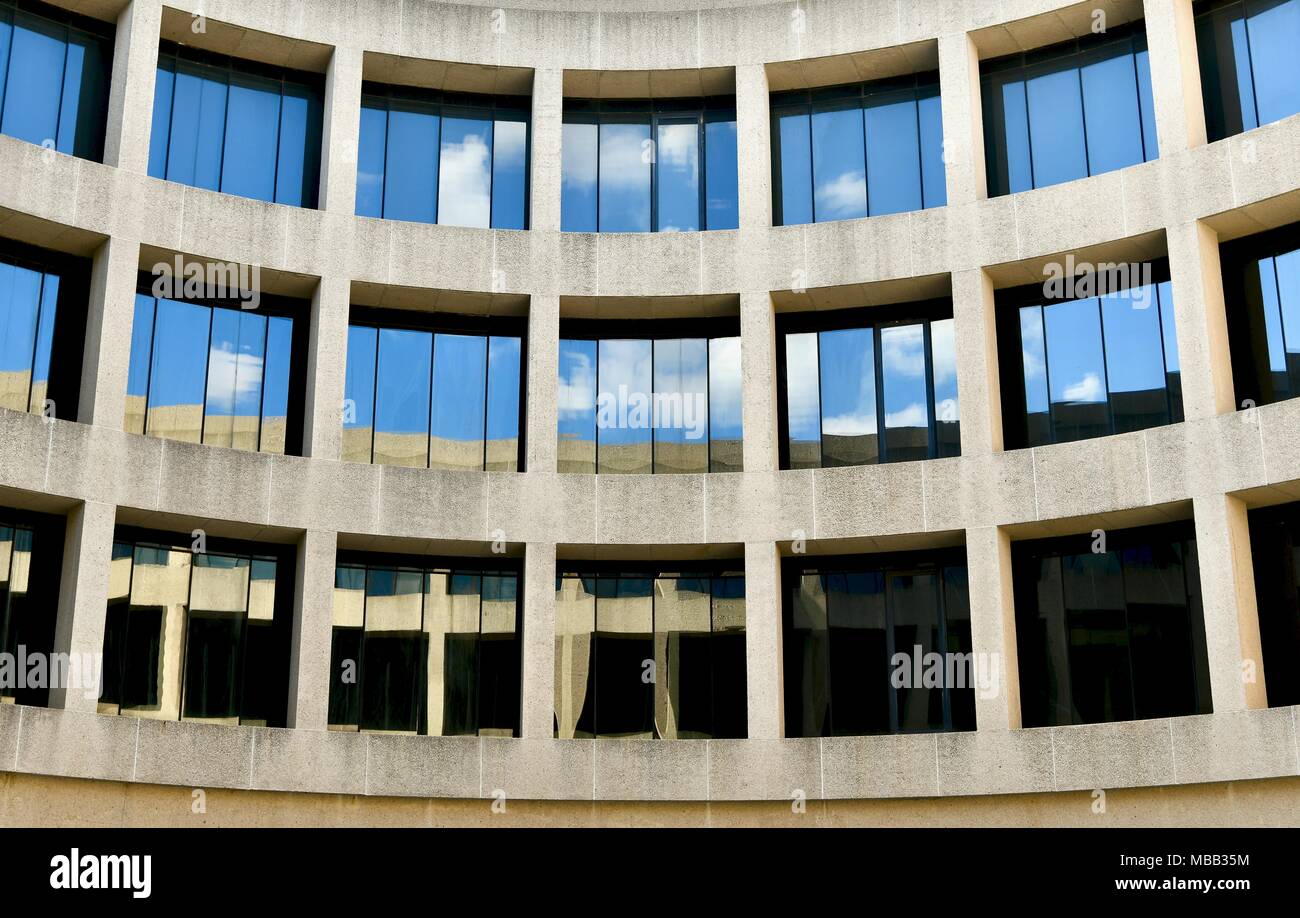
(1137, 91)
(126, 628)
(878, 370)
(243, 644)
(1083, 118)
(1105, 370)
(421, 667)
(702, 184)
(1029, 143)
(428, 420)
(207, 369)
(1164, 351)
(261, 395)
(279, 139)
(708, 437)
(225, 126)
(185, 635)
(437, 163)
(866, 159)
(383, 189)
(171, 118)
(36, 341)
(891, 648)
(487, 386)
(1250, 63)
(374, 400)
(492, 175)
(1047, 376)
(821, 401)
(63, 80)
(654, 428)
(148, 386)
(932, 434)
(941, 610)
(9, 61)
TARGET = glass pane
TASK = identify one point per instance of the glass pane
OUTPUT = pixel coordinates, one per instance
(796, 168)
(576, 407)
(44, 345)
(252, 131)
(907, 413)
(236, 353)
(459, 397)
(803, 401)
(838, 164)
(298, 176)
(393, 651)
(197, 127)
(1100, 683)
(1110, 103)
(575, 627)
(498, 658)
(1245, 78)
(720, 177)
(371, 152)
(1288, 289)
(1078, 373)
(1033, 354)
(807, 660)
(1159, 629)
(36, 57)
(956, 608)
(1173, 375)
(893, 158)
(349, 616)
(154, 638)
(947, 405)
(465, 172)
(510, 174)
(20, 300)
(625, 159)
(1135, 364)
(859, 654)
(164, 84)
(1274, 30)
(1146, 103)
(730, 695)
(452, 625)
(275, 392)
(504, 360)
(1056, 128)
(177, 378)
(410, 169)
(914, 605)
(578, 179)
(933, 179)
(681, 407)
(624, 654)
(359, 394)
(683, 669)
(1020, 169)
(848, 397)
(677, 154)
(137, 380)
(726, 418)
(402, 398)
(623, 412)
(216, 625)
(74, 72)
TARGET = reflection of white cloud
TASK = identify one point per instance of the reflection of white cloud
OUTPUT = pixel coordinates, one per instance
(624, 158)
(943, 348)
(679, 149)
(902, 350)
(724, 383)
(802, 384)
(578, 389)
(509, 140)
(578, 163)
(845, 196)
(947, 410)
(231, 377)
(914, 415)
(1031, 341)
(624, 362)
(850, 425)
(464, 183)
(1088, 389)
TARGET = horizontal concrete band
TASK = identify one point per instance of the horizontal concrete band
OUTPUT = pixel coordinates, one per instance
(1244, 745)
(1239, 178)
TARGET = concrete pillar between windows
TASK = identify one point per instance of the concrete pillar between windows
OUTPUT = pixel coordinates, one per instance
(963, 119)
(327, 355)
(764, 672)
(313, 630)
(545, 150)
(754, 149)
(1228, 598)
(110, 314)
(758, 382)
(1200, 321)
(993, 629)
(979, 392)
(1175, 75)
(130, 95)
(83, 597)
(537, 716)
(341, 132)
(543, 386)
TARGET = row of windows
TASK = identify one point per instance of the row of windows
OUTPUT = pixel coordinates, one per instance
(1052, 115)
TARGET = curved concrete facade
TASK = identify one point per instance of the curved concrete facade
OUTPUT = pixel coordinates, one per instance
(1212, 468)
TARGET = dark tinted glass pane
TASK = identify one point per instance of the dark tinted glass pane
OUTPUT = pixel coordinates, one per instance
(275, 384)
(807, 660)
(212, 666)
(1100, 678)
(859, 654)
(624, 651)
(956, 604)
(1164, 680)
(914, 605)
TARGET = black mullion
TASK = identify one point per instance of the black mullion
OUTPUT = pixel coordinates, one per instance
(821, 414)
(1083, 116)
(243, 644)
(1047, 376)
(492, 162)
(877, 355)
(383, 191)
(261, 395)
(225, 126)
(126, 630)
(654, 172)
(374, 400)
(428, 437)
(891, 647)
(207, 370)
(932, 435)
(361, 649)
(941, 615)
(279, 139)
(1128, 636)
(487, 387)
(702, 188)
(1164, 352)
(1105, 370)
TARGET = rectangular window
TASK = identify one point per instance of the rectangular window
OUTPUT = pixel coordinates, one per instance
(642, 405)
(236, 126)
(206, 373)
(31, 556)
(197, 635)
(1110, 628)
(860, 150)
(650, 654)
(55, 69)
(445, 396)
(434, 157)
(865, 388)
(1261, 286)
(878, 644)
(424, 649)
(1071, 110)
(1250, 74)
(667, 165)
(1275, 551)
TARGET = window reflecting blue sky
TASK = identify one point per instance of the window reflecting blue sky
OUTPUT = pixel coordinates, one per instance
(1056, 127)
(1274, 31)
(677, 146)
(625, 160)
(839, 167)
(22, 349)
(893, 147)
(576, 406)
(504, 366)
(723, 209)
(410, 169)
(402, 387)
(510, 174)
(905, 380)
(459, 401)
(465, 172)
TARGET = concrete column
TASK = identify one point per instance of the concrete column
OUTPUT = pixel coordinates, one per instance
(764, 672)
(83, 595)
(543, 388)
(313, 629)
(111, 313)
(341, 132)
(1175, 75)
(548, 132)
(993, 629)
(754, 147)
(758, 382)
(979, 392)
(1200, 320)
(537, 718)
(1228, 597)
(130, 95)
(327, 356)
(963, 119)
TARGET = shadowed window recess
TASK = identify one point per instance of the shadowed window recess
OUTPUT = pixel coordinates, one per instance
(878, 644)
(1109, 627)
(667, 165)
(868, 386)
(446, 394)
(55, 69)
(198, 636)
(865, 149)
(201, 372)
(650, 653)
(630, 403)
(441, 157)
(422, 647)
(1275, 549)
(237, 126)
(31, 558)
(1261, 290)
(1250, 72)
(1073, 369)
(1079, 108)
(43, 300)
